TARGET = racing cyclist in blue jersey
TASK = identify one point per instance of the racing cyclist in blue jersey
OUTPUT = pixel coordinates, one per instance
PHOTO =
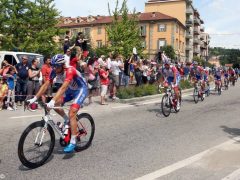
(74, 88)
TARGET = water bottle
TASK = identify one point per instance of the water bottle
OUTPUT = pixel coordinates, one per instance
(66, 127)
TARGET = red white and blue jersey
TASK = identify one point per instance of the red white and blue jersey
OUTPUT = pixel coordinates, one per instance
(71, 75)
(197, 70)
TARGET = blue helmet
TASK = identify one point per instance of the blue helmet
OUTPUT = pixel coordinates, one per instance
(58, 59)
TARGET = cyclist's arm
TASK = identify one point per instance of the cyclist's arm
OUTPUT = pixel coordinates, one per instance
(43, 89)
(61, 90)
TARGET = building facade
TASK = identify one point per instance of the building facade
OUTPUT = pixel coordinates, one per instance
(184, 11)
(156, 30)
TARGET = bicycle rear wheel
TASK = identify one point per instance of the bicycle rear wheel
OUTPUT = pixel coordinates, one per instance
(36, 144)
(180, 101)
(166, 106)
(219, 90)
(195, 95)
(86, 130)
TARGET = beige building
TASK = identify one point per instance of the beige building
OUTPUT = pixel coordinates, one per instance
(184, 11)
(156, 30)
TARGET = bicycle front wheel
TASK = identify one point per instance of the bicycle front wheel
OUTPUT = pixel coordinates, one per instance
(86, 130)
(166, 106)
(36, 144)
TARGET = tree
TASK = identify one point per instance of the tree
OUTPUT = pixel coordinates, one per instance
(169, 51)
(30, 26)
(124, 32)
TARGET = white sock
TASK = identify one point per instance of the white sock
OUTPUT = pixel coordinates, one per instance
(73, 139)
(66, 119)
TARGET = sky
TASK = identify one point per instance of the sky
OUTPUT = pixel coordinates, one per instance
(221, 17)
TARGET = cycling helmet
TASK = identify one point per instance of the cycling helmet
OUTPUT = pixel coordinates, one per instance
(58, 59)
(195, 63)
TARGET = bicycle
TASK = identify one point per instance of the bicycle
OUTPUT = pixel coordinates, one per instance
(169, 101)
(207, 89)
(218, 87)
(226, 83)
(198, 92)
(46, 127)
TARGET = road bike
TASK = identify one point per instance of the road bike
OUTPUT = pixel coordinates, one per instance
(218, 87)
(226, 83)
(170, 101)
(37, 141)
(207, 89)
(198, 92)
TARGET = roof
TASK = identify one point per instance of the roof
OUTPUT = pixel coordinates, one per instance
(97, 20)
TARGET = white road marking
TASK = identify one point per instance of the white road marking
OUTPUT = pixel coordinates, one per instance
(178, 165)
(233, 176)
(125, 106)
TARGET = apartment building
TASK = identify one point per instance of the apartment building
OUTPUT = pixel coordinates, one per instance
(185, 12)
(156, 30)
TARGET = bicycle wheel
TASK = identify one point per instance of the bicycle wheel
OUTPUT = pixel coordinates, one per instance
(208, 91)
(166, 106)
(195, 95)
(86, 130)
(219, 90)
(36, 144)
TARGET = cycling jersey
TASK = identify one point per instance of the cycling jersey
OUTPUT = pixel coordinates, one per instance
(197, 72)
(77, 88)
(218, 75)
(205, 75)
(168, 74)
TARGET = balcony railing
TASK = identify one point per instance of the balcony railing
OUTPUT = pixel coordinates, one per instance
(197, 21)
(196, 51)
(202, 29)
(189, 1)
(196, 31)
(189, 23)
(196, 41)
(189, 36)
(189, 48)
(189, 11)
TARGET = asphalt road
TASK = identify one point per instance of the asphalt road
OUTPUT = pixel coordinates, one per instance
(135, 141)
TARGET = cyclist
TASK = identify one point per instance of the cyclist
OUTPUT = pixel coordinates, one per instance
(218, 77)
(74, 88)
(226, 75)
(232, 74)
(198, 73)
(172, 76)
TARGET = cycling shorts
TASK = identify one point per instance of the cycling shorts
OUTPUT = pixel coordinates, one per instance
(205, 78)
(198, 77)
(171, 79)
(218, 78)
(226, 75)
(78, 96)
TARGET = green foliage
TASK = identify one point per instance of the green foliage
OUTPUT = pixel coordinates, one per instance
(130, 92)
(169, 51)
(201, 61)
(124, 32)
(104, 50)
(227, 56)
(29, 26)
(185, 84)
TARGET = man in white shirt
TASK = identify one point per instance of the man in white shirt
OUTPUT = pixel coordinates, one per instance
(67, 57)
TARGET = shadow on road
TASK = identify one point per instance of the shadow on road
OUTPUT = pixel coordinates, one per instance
(233, 132)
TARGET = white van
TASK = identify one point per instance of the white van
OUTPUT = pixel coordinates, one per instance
(16, 57)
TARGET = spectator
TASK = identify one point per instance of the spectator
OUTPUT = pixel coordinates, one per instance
(33, 83)
(11, 78)
(67, 57)
(101, 60)
(138, 73)
(186, 70)
(126, 72)
(66, 44)
(5, 68)
(145, 70)
(115, 69)
(121, 68)
(22, 79)
(104, 81)
(75, 60)
(46, 70)
(3, 91)
(91, 77)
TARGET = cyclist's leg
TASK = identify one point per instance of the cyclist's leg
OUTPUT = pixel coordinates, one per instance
(61, 112)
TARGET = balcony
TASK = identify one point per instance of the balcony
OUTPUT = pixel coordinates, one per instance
(196, 31)
(189, 11)
(196, 51)
(189, 23)
(197, 21)
(202, 37)
(202, 29)
(196, 41)
(189, 36)
(189, 1)
(189, 48)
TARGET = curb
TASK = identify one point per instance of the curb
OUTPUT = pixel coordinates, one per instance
(139, 99)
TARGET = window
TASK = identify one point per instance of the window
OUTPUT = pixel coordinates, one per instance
(99, 44)
(99, 30)
(143, 30)
(162, 28)
(10, 59)
(87, 31)
(161, 43)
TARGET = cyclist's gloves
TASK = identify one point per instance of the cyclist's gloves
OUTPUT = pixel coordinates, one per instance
(51, 104)
(32, 100)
